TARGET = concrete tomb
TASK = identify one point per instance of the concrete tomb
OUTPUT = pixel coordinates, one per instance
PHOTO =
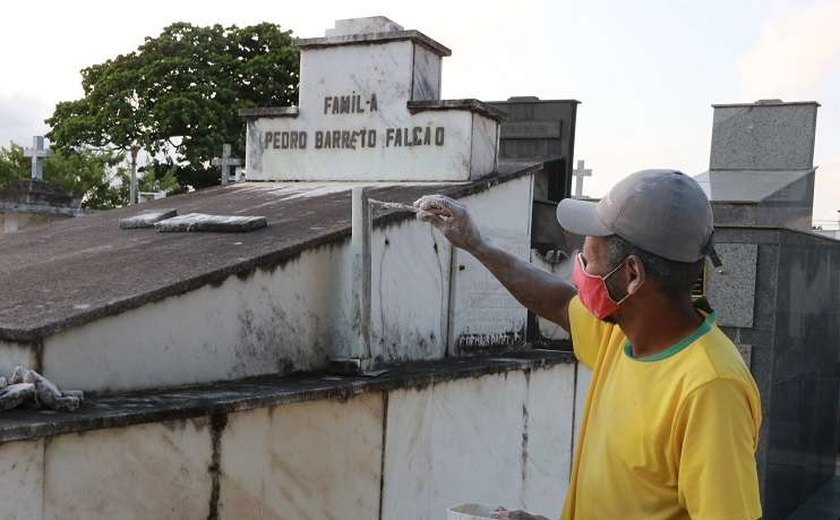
(778, 297)
(33, 202)
(370, 110)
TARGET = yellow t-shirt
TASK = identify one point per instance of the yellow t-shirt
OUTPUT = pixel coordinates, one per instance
(668, 436)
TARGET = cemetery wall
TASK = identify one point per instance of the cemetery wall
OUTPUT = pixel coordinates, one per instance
(405, 453)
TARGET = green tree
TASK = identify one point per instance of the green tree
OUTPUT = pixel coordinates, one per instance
(177, 96)
(13, 164)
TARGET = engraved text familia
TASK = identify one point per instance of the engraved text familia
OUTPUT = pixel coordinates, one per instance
(354, 138)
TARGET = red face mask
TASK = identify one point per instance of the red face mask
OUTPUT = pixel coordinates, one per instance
(593, 291)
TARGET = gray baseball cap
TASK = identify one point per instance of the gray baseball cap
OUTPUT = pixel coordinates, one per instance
(664, 212)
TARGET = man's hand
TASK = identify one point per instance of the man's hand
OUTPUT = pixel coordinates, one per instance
(516, 514)
(544, 293)
(452, 218)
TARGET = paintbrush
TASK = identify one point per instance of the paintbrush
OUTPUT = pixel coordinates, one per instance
(394, 205)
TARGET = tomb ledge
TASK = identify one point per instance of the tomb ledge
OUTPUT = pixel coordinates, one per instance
(472, 105)
(139, 407)
(252, 113)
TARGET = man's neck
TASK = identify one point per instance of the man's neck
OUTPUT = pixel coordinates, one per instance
(654, 326)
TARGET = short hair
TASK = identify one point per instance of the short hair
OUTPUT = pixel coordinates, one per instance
(675, 279)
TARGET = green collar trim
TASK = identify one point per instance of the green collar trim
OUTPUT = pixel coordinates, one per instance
(704, 327)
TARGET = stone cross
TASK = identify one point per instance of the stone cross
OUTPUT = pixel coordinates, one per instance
(226, 162)
(580, 172)
(37, 153)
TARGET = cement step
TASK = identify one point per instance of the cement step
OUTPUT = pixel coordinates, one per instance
(406, 444)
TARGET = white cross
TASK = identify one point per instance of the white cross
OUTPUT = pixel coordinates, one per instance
(37, 153)
(226, 162)
(580, 172)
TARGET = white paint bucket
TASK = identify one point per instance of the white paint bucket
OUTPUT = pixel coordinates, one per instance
(470, 512)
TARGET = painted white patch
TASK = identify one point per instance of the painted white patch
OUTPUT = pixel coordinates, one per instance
(410, 279)
(463, 441)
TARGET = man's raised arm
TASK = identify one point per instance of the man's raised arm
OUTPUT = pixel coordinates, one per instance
(543, 293)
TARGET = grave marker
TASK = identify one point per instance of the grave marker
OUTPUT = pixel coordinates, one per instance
(580, 172)
(226, 162)
(37, 153)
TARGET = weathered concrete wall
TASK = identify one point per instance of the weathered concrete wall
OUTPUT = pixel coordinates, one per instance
(502, 438)
(292, 318)
(14, 354)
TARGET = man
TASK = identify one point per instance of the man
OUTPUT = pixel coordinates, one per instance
(672, 416)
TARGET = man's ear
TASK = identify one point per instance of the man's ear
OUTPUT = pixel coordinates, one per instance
(636, 274)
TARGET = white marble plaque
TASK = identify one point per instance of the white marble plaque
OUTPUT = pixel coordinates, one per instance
(484, 314)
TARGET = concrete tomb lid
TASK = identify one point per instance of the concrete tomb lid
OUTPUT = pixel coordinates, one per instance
(147, 218)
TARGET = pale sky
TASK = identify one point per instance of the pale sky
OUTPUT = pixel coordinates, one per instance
(646, 72)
